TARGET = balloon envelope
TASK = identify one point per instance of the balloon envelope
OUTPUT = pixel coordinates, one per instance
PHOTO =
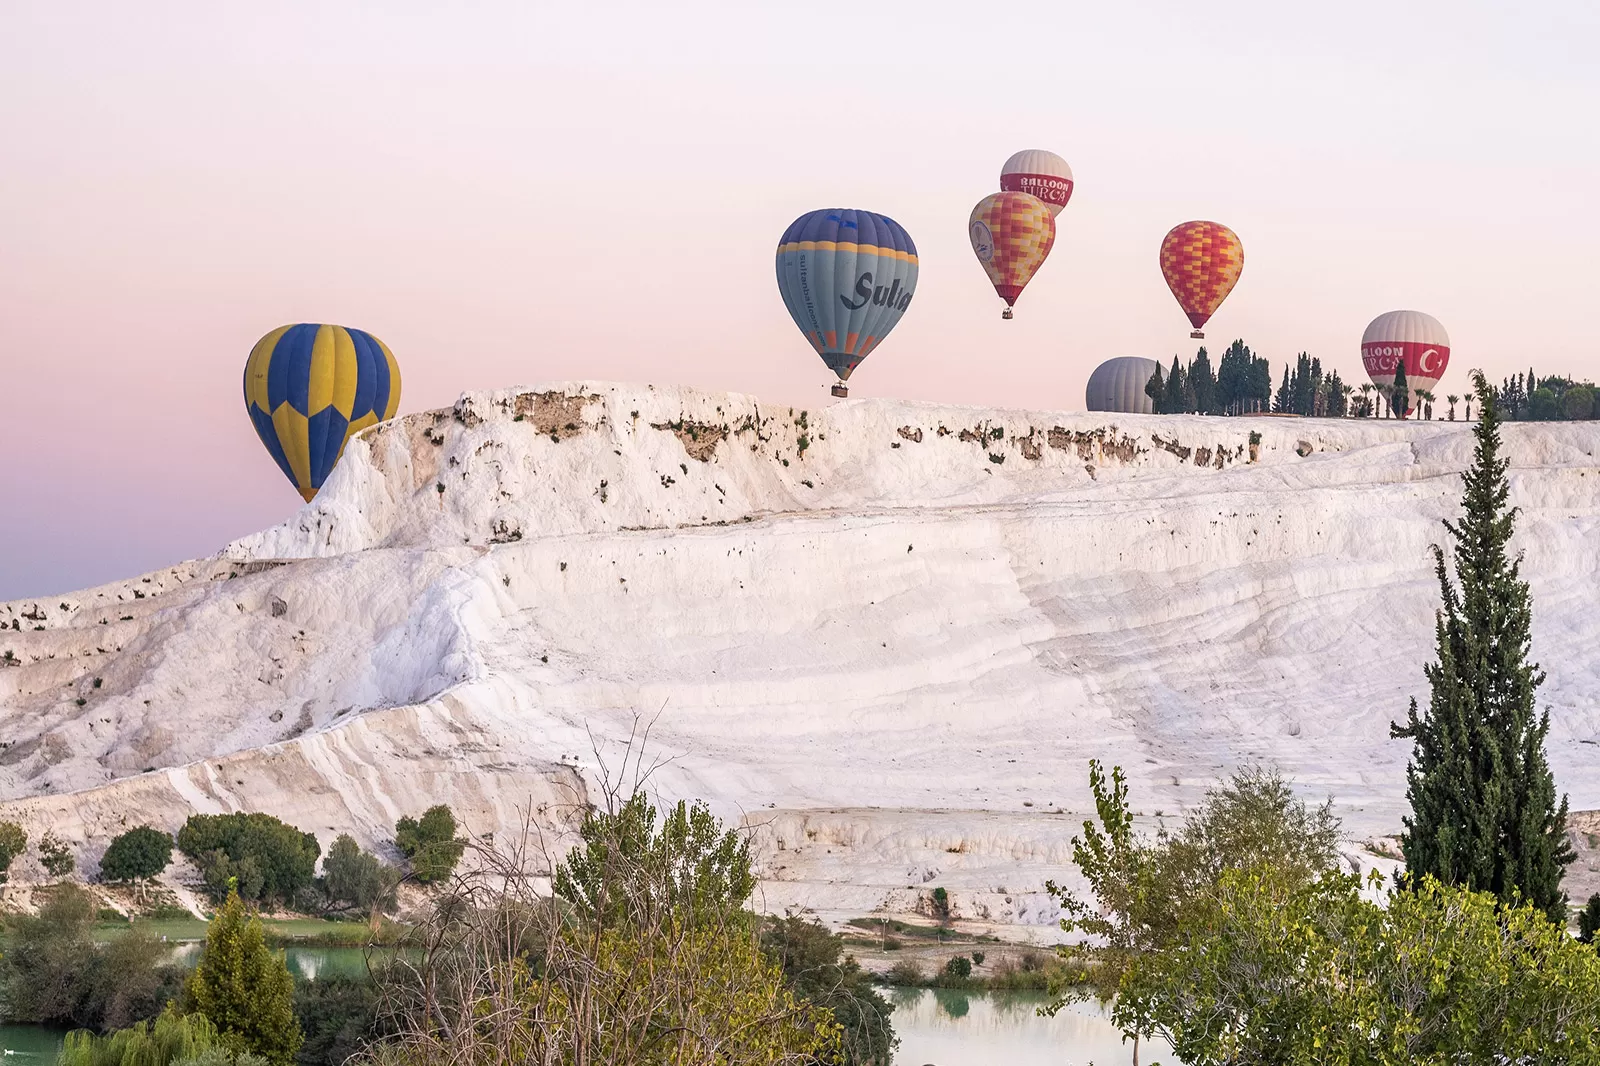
(1202, 262)
(847, 278)
(1410, 337)
(1118, 385)
(308, 388)
(1011, 234)
(1039, 173)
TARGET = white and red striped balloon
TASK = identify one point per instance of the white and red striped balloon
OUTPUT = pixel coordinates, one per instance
(1039, 173)
(1411, 337)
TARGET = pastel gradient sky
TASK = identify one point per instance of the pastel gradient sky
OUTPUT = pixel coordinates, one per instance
(508, 193)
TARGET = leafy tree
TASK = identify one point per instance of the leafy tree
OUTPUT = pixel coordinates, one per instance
(13, 842)
(626, 867)
(1146, 892)
(1578, 402)
(139, 855)
(1121, 871)
(54, 855)
(815, 968)
(1274, 971)
(356, 878)
(1483, 799)
(244, 987)
(430, 843)
(269, 859)
(1252, 819)
(1542, 405)
(1589, 920)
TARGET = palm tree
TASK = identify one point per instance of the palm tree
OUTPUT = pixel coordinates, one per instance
(1366, 395)
(1453, 400)
(1346, 390)
(1425, 398)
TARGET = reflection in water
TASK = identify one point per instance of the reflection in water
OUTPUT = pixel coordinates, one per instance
(953, 1001)
(949, 1027)
(306, 964)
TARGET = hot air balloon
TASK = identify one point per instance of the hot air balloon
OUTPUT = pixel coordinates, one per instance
(846, 277)
(1202, 262)
(1039, 173)
(1011, 234)
(1408, 337)
(1118, 385)
(309, 387)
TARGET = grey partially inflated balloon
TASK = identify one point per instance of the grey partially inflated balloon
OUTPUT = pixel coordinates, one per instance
(1118, 385)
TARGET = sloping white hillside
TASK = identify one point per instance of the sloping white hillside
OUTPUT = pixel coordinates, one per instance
(891, 635)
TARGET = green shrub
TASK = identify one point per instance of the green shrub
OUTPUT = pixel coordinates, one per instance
(977, 958)
(338, 1014)
(905, 972)
(958, 967)
(53, 973)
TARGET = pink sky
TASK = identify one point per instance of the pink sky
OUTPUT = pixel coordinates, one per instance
(511, 193)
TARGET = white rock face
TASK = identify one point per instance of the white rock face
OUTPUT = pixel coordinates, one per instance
(888, 635)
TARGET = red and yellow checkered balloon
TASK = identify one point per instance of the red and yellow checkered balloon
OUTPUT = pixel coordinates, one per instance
(1011, 234)
(1202, 262)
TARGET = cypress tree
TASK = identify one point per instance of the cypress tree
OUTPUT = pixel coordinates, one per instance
(1157, 391)
(1483, 800)
(1203, 384)
(1280, 404)
(1260, 383)
(1400, 398)
(1175, 399)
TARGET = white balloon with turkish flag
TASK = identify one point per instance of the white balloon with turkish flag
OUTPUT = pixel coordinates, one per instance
(1039, 173)
(1410, 338)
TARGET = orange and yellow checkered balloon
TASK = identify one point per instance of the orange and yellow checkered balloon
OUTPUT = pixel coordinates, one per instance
(1202, 262)
(1011, 234)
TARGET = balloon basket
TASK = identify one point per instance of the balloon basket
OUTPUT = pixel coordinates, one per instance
(1197, 335)
(840, 391)
(1006, 314)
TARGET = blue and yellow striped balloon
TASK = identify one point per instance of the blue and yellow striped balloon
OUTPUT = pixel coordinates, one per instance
(309, 388)
(846, 277)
